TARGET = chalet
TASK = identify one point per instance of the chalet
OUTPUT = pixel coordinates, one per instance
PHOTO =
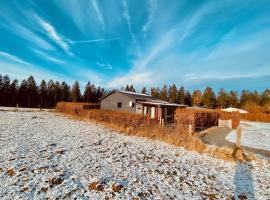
(157, 109)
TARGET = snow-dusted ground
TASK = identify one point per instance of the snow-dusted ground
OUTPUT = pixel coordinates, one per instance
(44, 155)
(254, 134)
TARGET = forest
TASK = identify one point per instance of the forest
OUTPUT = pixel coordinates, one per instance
(28, 93)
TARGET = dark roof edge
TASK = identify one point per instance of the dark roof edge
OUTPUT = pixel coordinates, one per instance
(113, 92)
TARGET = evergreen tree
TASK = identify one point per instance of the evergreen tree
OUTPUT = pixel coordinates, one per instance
(173, 94)
(23, 93)
(208, 98)
(197, 98)
(245, 97)
(233, 99)
(87, 92)
(132, 89)
(51, 93)
(43, 93)
(127, 88)
(164, 93)
(14, 89)
(65, 92)
(222, 98)
(31, 92)
(181, 95)
(144, 91)
(57, 92)
(265, 98)
(1, 91)
(6, 90)
(188, 98)
(75, 92)
(255, 97)
(155, 92)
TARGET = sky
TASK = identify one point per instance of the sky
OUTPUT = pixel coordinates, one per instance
(220, 43)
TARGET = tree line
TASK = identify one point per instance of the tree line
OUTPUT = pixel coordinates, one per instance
(28, 94)
(207, 98)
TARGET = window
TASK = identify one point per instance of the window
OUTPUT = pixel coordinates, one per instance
(119, 105)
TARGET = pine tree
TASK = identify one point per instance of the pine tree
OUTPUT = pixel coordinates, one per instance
(51, 93)
(127, 88)
(1, 91)
(87, 92)
(173, 94)
(164, 93)
(23, 93)
(245, 97)
(255, 97)
(6, 90)
(181, 95)
(233, 99)
(57, 92)
(14, 89)
(144, 91)
(75, 92)
(31, 92)
(131, 88)
(197, 98)
(265, 98)
(65, 92)
(222, 98)
(208, 98)
(188, 98)
(43, 93)
(155, 92)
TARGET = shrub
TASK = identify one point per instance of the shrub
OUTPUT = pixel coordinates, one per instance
(257, 117)
(234, 116)
(135, 124)
(200, 119)
(253, 108)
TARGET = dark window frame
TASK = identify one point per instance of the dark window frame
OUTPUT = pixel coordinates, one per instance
(119, 104)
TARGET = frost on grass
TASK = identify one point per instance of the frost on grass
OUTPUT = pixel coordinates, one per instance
(254, 134)
(44, 155)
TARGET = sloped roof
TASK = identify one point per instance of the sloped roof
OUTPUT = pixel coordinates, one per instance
(142, 98)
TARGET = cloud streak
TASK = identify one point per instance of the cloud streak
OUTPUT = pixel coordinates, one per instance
(54, 36)
(92, 41)
(13, 58)
(99, 15)
(127, 18)
(151, 9)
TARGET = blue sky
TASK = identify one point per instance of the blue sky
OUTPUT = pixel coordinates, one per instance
(144, 42)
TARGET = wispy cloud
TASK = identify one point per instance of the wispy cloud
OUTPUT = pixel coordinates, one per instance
(92, 41)
(137, 79)
(54, 36)
(151, 9)
(45, 56)
(99, 15)
(13, 58)
(127, 18)
(105, 65)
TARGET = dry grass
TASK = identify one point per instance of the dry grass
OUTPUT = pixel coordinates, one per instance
(139, 125)
(135, 124)
(257, 117)
(253, 108)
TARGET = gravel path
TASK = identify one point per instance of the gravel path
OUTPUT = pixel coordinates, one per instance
(47, 156)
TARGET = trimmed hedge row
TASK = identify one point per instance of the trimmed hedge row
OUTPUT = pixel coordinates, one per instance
(200, 119)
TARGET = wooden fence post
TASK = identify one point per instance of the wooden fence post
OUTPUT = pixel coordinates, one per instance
(238, 136)
(190, 129)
